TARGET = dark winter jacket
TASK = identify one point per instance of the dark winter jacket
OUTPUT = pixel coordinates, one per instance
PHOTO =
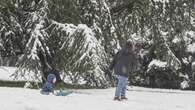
(52, 71)
(49, 85)
(56, 73)
(124, 62)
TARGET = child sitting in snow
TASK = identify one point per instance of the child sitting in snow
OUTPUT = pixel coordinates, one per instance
(48, 87)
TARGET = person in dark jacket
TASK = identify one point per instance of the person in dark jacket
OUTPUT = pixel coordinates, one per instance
(48, 87)
(124, 63)
(52, 70)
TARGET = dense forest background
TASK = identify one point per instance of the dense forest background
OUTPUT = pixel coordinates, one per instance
(81, 37)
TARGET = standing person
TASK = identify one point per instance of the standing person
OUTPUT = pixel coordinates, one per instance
(124, 63)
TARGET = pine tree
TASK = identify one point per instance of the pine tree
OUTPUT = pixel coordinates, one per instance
(35, 20)
(10, 33)
(78, 53)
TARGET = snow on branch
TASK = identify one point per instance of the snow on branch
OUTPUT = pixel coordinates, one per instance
(172, 60)
(157, 63)
(82, 53)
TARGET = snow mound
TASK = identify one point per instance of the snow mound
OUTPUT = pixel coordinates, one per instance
(157, 63)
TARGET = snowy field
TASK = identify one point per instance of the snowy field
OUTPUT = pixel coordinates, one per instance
(92, 99)
(97, 99)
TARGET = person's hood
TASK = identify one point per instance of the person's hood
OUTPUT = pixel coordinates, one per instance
(50, 78)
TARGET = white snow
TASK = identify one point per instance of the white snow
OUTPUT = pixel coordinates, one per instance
(193, 65)
(191, 48)
(8, 33)
(164, 2)
(94, 99)
(176, 40)
(91, 41)
(69, 29)
(6, 74)
(184, 84)
(189, 36)
(154, 64)
(185, 60)
(97, 99)
(161, 1)
(137, 38)
(157, 63)
(36, 36)
(171, 59)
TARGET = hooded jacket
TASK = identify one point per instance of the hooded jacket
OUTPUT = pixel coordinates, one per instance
(124, 62)
(49, 85)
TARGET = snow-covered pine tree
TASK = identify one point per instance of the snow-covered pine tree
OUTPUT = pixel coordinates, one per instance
(34, 24)
(79, 54)
(129, 17)
(96, 15)
(170, 21)
(189, 39)
(10, 33)
(74, 49)
(65, 11)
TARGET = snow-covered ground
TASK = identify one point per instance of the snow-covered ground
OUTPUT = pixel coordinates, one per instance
(7, 74)
(97, 99)
(92, 99)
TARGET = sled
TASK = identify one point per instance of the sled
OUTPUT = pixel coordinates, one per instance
(63, 92)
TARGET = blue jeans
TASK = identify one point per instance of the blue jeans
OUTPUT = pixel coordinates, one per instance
(121, 86)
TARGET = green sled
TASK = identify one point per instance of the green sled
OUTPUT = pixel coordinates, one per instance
(64, 92)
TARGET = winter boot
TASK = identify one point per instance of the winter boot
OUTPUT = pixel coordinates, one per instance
(117, 99)
(124, 98)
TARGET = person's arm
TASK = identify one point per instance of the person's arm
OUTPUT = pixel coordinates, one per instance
(137, 62)
(110, 68)
(114, 61)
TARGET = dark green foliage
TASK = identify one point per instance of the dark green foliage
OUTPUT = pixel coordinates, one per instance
(64, 11)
